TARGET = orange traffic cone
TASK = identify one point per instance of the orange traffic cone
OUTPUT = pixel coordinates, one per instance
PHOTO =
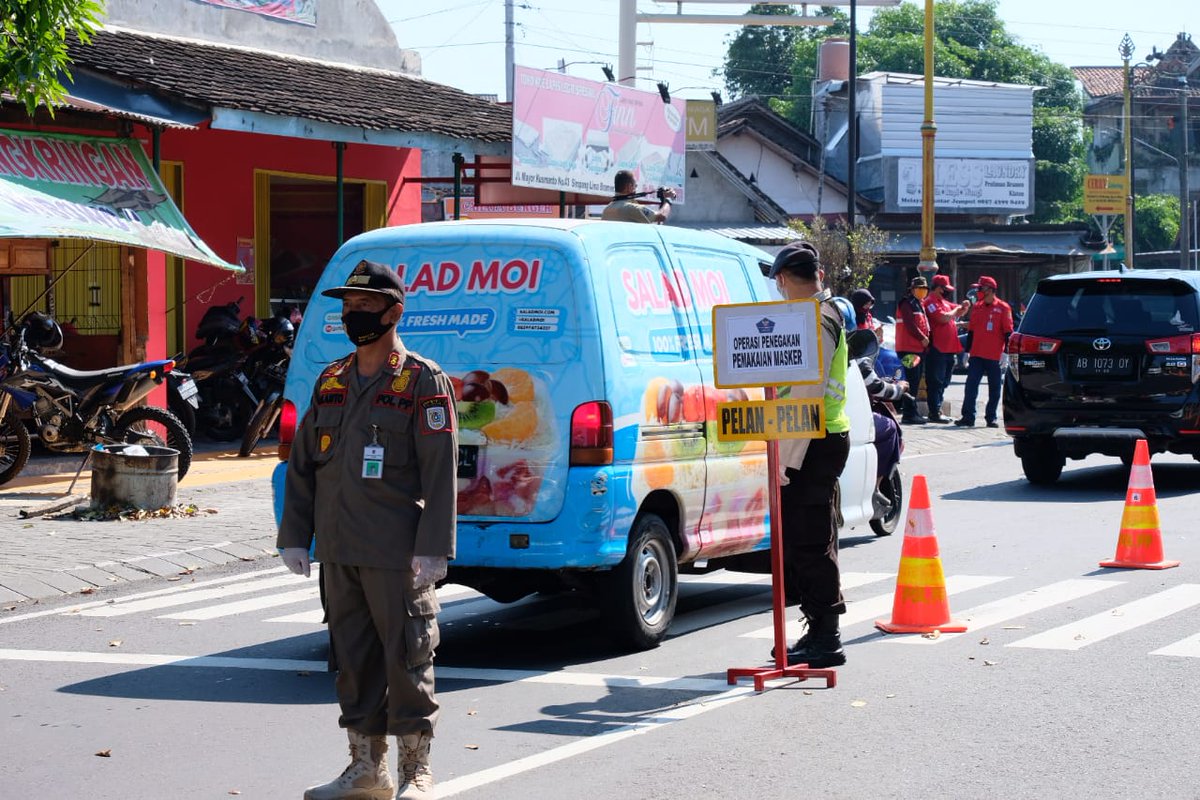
(920, 605)
(1139, 545)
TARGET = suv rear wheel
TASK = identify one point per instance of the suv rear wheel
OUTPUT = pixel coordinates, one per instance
(1042, 462)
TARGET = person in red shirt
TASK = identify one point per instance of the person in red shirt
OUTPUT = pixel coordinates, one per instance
(943, 343)
(988, 330)
(912, 340)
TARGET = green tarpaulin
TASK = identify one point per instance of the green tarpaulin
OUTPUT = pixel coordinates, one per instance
(58, 186)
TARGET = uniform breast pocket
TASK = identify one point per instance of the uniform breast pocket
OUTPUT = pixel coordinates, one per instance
(328, 423)
(395, 435)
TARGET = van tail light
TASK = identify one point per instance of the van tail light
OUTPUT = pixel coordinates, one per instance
(592, 435)
(287, 429)
(1025, 344)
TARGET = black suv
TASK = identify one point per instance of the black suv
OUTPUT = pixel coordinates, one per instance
(1101, 360)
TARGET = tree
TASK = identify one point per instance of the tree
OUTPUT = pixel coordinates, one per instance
(1156, 225)
(970, 41)
(33, 46)
(759, 58)
(849, 257)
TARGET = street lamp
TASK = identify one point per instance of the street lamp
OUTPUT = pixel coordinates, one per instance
(927, 266)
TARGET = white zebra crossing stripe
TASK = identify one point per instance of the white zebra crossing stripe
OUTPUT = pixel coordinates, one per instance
(881, 605)
(1186, 648)
(1015, 606)
(243, 606)
(124, 608)
(1097, 628)
(312, 617)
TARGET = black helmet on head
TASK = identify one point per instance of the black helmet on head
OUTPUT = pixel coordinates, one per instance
(42, 332)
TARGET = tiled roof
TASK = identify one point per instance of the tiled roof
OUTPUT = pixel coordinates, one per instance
(269, 83)
(751, 112)
(1105, 81)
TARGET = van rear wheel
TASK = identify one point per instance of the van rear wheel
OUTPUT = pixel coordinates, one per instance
(642, 591)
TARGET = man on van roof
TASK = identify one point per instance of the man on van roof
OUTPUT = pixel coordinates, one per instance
(624, 208)
(373, 470)
(810, 470)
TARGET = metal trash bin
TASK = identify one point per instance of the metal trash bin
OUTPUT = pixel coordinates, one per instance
(146, 478)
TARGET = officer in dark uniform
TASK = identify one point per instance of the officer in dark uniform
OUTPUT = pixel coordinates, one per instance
(372, 474)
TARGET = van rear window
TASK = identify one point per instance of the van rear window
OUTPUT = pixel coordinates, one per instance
(1120, 307)
(515, 304)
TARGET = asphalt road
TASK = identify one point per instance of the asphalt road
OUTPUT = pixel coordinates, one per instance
(1073, 681)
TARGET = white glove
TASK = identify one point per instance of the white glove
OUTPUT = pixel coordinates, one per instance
(428, 570)
(296, 560)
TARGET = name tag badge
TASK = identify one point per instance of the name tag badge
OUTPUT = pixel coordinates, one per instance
(989, 325)
(372, 462)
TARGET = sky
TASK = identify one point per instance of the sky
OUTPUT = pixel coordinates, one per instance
(461, 42)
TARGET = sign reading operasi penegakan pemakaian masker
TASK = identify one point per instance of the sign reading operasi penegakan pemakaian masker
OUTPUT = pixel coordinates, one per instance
(768, 344)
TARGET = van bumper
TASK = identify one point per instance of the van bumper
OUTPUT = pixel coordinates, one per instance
(589, 533)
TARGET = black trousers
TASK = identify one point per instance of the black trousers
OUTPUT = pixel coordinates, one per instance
(811, 577)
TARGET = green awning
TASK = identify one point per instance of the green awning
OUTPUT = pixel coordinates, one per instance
(59, 186)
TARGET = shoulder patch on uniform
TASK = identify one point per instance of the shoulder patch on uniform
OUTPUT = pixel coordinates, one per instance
(437, 414)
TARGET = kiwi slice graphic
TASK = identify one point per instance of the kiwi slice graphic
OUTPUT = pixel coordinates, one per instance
(475, 415)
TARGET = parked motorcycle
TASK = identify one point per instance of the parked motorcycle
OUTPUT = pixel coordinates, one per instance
(268, 367)
(863, 349)
(218, 367)
(73, 410)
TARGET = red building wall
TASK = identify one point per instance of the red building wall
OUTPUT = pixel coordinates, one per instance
(218, 194)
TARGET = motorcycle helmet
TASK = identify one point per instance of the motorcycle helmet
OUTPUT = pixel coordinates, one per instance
(42, 332)
(847, 310)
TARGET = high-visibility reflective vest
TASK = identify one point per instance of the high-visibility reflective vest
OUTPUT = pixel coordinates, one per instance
(836, 418)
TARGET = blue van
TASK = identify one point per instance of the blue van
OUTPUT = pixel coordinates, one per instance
(581, 357)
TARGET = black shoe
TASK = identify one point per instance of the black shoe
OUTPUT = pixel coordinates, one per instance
(880, 505)
(993, 424)
(824, 646)
(938, 418)
(802, 642)
(913, 420)
(964, 423)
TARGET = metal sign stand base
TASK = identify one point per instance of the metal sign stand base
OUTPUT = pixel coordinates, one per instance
(781, 669)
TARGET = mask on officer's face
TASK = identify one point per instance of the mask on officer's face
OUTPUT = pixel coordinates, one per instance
(364, 327)
(920, 292)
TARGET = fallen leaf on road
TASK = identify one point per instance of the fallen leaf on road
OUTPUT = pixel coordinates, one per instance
(175, 577)
(114, 643)
(105, 753)
(932, 635)
(303, 673)
(858, 704)
(985, 640)
(471, 746)
(27, 525)
(10, 608)
(989, 663)
(472, 712)
(808, 691)
(186, 624)
(889, 696)
(235, 791)
(187, 571)
(88, 590)
(1079, 637)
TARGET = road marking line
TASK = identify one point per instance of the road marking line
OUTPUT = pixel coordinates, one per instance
(1015, 606)
(880, 605)
(1121, 619)
(76, 609)
(253, 604)
(1187, 648)
(158, 660)
(124, 607)
(576, 748)
(568, 678)
(313, 617)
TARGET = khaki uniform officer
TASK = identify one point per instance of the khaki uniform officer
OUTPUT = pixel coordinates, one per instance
(372, 475)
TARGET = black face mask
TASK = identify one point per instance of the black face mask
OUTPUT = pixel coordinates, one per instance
(364, 327)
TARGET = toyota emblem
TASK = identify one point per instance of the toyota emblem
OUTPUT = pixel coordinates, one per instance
(1103, 343)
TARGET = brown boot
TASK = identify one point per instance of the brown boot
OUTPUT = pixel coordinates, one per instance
(366, 778)
(416, 778)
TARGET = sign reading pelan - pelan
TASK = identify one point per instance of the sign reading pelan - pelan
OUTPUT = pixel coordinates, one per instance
(768, 344)
(1104, 194)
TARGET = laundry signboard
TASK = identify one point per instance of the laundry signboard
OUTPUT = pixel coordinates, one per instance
(85, 187)
(574, 135)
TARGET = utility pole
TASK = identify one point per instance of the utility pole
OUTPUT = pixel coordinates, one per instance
(627, 43)
(852, 122)
(509, 50)
(928, 264)
(1126, 51)
(1185, 203)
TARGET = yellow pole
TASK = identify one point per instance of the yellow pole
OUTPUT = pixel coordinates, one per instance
(1126, 51)
(928, 264)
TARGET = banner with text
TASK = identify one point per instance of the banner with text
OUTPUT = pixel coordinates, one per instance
(765, 344)
(573, 135)
(968, 183)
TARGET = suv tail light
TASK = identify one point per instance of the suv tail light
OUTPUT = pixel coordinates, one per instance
(1188, 344)
(592, 435)
(287, 429)
(1024, 343)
